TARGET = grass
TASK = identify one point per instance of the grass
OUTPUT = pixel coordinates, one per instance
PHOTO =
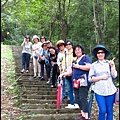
(9, 73)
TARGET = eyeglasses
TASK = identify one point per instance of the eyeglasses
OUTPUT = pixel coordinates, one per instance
(100, 52)
(68, 44)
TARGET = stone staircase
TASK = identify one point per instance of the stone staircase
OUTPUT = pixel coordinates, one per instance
(38, 100)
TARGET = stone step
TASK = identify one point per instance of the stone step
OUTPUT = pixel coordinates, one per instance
(46, 97)
(49, 111)
(39, 89)
(42, 106)
(39, 101)
(67, 116)
(39, 92)
(34, 85)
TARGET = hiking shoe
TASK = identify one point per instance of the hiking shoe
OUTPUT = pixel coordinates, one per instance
(23, 70)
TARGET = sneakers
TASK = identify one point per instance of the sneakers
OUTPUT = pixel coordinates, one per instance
(48, 82)
(27, 71)
(42, 78)
(35, 76)
(38, 77)
(53, 86)
(70, 106)
(76, 106)
(23, 70)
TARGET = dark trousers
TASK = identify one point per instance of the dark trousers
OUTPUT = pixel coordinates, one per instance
(42, 69)
(81, 97)
(48, 69)
(54, 74)
(25, 60)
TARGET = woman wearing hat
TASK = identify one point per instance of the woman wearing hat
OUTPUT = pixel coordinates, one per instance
(36, 48)
(26, 53)
(101, 73)
(60, 45)
(44, 55)
(79, 70)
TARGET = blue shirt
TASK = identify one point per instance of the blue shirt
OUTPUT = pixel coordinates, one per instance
(77, 73)
(102, 87)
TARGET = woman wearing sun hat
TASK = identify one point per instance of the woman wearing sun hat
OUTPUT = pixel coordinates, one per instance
(36, 48)
(101, 73)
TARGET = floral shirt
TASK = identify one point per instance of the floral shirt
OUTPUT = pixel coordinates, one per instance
(102, 87)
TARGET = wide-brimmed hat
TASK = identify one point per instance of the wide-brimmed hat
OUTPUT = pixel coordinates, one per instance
(100, 47)
(35, 36)
(60, 42)
(48, 41)
(44, 43)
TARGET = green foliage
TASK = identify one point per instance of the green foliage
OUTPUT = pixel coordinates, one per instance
(46, 17)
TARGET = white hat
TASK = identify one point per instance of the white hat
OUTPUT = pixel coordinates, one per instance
(35, 36)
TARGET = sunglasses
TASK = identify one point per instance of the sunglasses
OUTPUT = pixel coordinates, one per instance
(68, 44)
(100, 52)
(60, 45)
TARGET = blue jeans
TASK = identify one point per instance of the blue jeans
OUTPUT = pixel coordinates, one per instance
(25, 60)
(70, 90)
(105, 104)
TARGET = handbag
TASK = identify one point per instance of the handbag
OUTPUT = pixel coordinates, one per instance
(76, 84)
(117, 97)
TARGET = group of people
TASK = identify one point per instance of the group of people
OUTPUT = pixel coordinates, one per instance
(75, 68)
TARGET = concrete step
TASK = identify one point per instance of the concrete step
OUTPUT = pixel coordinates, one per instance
(42, 106)
(49, 111)
(39, 101)
(67, 116)
(39, 92)
(39, 89)
(46, 97)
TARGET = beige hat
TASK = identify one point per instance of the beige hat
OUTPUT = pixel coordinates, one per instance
(35, 36)
(60, 42)
(44, 43)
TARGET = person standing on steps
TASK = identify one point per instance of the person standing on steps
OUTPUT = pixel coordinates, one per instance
(36, 48)
(79, 71)
(61, 46)
(67, 62)
(101, 73)
(53, 61)
(26, 54)
(45, 56)
(43, 39)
